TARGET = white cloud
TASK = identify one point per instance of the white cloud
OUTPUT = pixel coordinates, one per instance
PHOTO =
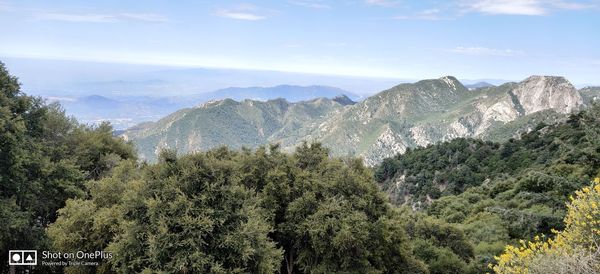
(93, 18)
(147, 17)
(522, 7)
(239, 15)
(485, 51)
(247, 12)
(430, 14)
(314, 4)
(383, 3)
(512, 7)
(57, 99)
(101, 18)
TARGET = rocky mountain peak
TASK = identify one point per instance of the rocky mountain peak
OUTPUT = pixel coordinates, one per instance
(452, 82)
(538, 93)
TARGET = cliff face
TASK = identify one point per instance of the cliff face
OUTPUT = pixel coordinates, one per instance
(381, 126)
(539, 93)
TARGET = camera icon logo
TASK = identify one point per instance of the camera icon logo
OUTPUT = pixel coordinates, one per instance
(22, 257)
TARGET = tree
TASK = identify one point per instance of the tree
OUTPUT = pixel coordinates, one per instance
(43, 162)
(186, 215)
(329, 216)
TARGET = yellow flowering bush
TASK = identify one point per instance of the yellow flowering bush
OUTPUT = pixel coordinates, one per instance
(573, 250)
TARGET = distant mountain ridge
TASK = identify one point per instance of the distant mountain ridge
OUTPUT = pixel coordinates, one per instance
(407, 115)
(289, 92)
(126, 111)
(248, 123)
(479, 85)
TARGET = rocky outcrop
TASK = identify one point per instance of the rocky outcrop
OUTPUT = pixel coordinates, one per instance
(388, 144)
(539, 93)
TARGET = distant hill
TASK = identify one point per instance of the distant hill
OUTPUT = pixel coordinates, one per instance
(479, 85)
(407, 115)
(121, 112)
(288, 92)
(248, 123)
(127, 111)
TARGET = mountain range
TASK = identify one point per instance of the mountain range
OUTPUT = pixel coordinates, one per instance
(126, 111)
(380, 126)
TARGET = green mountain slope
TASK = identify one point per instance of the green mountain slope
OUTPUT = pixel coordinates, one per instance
(431, 111)
(408, 115)
(235, 124)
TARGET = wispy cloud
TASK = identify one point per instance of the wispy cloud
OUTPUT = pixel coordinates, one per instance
(313, 4)
(383, 3)
(514, 7)
(101, 18)
(573, 6)
(147, 17)
(522, 7)
(429, 14)
(240, 15)
(484, 51)
(242, 12)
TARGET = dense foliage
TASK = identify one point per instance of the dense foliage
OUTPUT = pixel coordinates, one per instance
(237, 212)
(574, 250)
(44, 159)
(499, 193)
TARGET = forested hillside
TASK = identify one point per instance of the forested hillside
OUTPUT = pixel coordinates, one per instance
(498, 193)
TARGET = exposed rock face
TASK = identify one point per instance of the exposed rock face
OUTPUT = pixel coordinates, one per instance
(539, 93)
(388, 144)
(381, 126)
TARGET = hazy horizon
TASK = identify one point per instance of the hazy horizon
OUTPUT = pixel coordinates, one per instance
(47, 77)
(365, 39)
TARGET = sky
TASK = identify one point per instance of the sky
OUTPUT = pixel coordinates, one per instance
(470, 39)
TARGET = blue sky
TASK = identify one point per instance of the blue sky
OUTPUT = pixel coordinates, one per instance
(471, 39)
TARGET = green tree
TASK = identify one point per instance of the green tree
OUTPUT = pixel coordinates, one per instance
(328, 215)
(187, 215)
(43, 162)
